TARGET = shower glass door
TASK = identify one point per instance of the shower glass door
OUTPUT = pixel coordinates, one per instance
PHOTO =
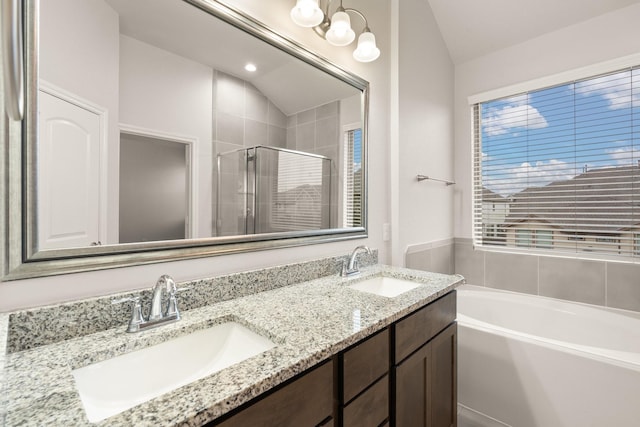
(278, 190)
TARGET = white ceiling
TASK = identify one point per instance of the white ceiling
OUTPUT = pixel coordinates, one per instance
(472, 28)
(178, 27)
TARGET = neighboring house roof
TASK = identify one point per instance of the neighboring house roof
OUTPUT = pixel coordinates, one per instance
(305, 191)
(490, 196)
(605, 200)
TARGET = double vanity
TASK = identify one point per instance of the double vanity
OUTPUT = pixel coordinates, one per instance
(361, 350)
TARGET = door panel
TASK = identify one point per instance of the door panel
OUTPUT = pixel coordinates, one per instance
(68, 174)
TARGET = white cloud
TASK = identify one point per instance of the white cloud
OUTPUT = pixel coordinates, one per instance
(625, 155)
(518, 114)
(615, 88)
(517, 178)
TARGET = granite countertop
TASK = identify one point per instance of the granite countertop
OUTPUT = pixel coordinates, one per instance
(309, 322)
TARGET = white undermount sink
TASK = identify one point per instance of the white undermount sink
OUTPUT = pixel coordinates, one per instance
(385, 286)
(109, 387)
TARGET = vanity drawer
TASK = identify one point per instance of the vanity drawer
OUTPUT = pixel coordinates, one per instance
(371, 408)
(414, 331)
(307, 400)
(365, 363)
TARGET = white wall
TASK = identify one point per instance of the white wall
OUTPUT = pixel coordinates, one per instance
(87, 67)
(423, 141)
(275, 14)
(173, 88)
(604, 38)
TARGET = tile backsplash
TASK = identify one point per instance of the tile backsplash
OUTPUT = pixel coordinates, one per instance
(606, 283)
(46, 325)
(437, 257)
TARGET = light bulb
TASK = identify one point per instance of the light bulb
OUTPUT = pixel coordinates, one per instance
(307, 13)
(367, 50)
(340, 33)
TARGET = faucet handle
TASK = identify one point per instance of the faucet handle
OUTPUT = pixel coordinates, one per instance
(172, 305)
(136, 313)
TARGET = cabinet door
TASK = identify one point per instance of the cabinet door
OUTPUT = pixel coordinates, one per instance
(444, 398)
(426, 384)
(370, 408)
(307, 401)
(412, 385)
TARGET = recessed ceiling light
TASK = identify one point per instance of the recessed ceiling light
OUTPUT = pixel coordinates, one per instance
(250, 67)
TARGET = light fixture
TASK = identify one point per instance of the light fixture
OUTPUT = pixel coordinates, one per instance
(337, 30)
(307, 13)
(367, 50)
(340, 32)
(250, 67)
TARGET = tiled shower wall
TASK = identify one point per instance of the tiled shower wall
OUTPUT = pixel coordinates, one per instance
(317, 131)
(605, 283)
(243, 117)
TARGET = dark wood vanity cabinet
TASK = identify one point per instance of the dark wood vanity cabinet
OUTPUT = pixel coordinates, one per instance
(305, 401)
(425, 366)
(364, 395)
(404, 375)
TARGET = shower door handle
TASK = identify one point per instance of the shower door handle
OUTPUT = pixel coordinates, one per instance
(12, 58)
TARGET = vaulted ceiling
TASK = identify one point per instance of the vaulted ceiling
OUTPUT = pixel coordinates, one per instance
(472, 28)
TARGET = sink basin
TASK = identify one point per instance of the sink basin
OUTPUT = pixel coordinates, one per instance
(385, 286)
(109, 387)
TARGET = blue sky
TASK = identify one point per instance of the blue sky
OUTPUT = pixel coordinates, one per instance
(357, 149)
(552, 134)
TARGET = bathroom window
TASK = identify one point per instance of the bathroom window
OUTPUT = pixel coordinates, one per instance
(558, 168)
(352, 186)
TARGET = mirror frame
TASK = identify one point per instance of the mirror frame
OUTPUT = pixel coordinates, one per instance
(21, 259)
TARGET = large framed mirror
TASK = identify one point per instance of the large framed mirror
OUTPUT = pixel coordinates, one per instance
(159, 130)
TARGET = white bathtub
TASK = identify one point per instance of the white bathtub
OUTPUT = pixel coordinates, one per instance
(533, 361)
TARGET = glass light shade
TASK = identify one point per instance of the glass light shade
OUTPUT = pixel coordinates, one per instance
(340, 33)
(367, 50)
(307, 13)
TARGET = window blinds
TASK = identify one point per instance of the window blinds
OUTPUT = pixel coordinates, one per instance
(559, 168)
(352, 191)
(298, 192)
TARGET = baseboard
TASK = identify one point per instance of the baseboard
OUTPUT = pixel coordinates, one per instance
(467, 417)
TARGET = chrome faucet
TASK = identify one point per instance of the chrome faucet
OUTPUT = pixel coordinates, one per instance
(350, 268)
(165, 283)
(157, 316)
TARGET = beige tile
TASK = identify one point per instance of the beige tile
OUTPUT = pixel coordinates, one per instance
(306, 137)
(230, 129)
(307, 116)
(229, 94)
(276, 117)
(255, 133)
(256, 106)
(214, 127)
(327, 110)
(292, 120)
(513, 272)
(442, 259)
(327, 132)
(291, 138)
(573, 279)
(623, 286)
(419, 260)
(469, 263)
(277, 137)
